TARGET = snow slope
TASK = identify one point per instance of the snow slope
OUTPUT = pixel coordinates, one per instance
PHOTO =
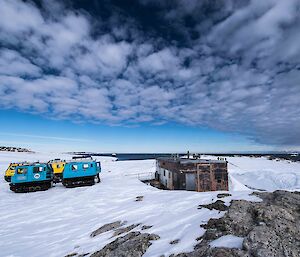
(59, 221)
(261, 173)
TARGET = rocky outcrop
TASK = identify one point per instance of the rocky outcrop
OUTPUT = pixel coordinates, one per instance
(107, 227)
(139, 198)
(14, 149)
(217, 205)
(133, 244)
(123, 230)
(270, 228)
(223, 195)
(144, 227)
(174, 242)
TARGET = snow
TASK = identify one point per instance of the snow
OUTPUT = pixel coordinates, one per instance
(59, 221)
(264, 174)
(228, 241)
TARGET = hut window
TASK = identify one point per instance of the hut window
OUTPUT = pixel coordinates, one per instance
(164, 173)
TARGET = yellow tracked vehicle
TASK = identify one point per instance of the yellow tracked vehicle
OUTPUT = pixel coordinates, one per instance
(11, 170)
(58, 167)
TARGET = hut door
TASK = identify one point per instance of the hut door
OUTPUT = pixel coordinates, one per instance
(190, 181)
(179, 181)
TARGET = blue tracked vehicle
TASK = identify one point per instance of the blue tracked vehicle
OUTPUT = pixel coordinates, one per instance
(81, 173)
(32, 177)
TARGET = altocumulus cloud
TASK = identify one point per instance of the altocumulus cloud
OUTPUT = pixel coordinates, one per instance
(229, 65)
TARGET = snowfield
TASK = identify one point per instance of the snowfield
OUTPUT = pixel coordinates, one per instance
(59, 221)
(261, 173)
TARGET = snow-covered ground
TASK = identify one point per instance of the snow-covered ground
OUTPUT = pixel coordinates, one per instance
(59, 221)
(261, 173)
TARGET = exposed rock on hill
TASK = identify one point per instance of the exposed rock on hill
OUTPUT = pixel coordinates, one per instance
(133, 244)
(107, 227)
(218, 205)
(270, 228)
(14, 149)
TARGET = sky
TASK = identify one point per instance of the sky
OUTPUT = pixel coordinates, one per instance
(150, 75)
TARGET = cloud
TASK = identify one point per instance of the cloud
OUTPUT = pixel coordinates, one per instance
(12, 63)
(45, 137)
(228, 65)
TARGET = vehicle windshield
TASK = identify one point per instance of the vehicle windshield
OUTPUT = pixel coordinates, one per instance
(22, 170)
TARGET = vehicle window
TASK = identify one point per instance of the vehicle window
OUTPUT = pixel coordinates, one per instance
(85, 166)
(74, 167)
(37, 169)
(91, 164)
(57, 166)
(22, 170)
(98, 164)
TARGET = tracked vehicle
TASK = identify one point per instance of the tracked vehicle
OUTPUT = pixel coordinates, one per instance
(81, 172)
(32, 177)
(10, 171)
(58, 167)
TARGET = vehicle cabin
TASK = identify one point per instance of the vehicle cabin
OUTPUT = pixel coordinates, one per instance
(58, 167)
(192, 174)
(32, 173)
(10, 171)
(85, 168)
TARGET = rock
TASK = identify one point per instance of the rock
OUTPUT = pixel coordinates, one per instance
(133, 244)
(71, 255)
(139, 198)
(218, 205)
(120, 231)
(174, 242)
(270, 228)
(77, 255)
(106, 227)
(146, 227)
(223, 195)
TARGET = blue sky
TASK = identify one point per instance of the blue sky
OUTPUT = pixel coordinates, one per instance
(150, 75)
(42, 134)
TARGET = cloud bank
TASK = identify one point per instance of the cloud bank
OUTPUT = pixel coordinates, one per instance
(229, 65)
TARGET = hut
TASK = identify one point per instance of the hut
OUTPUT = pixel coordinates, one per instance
(192, 174)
